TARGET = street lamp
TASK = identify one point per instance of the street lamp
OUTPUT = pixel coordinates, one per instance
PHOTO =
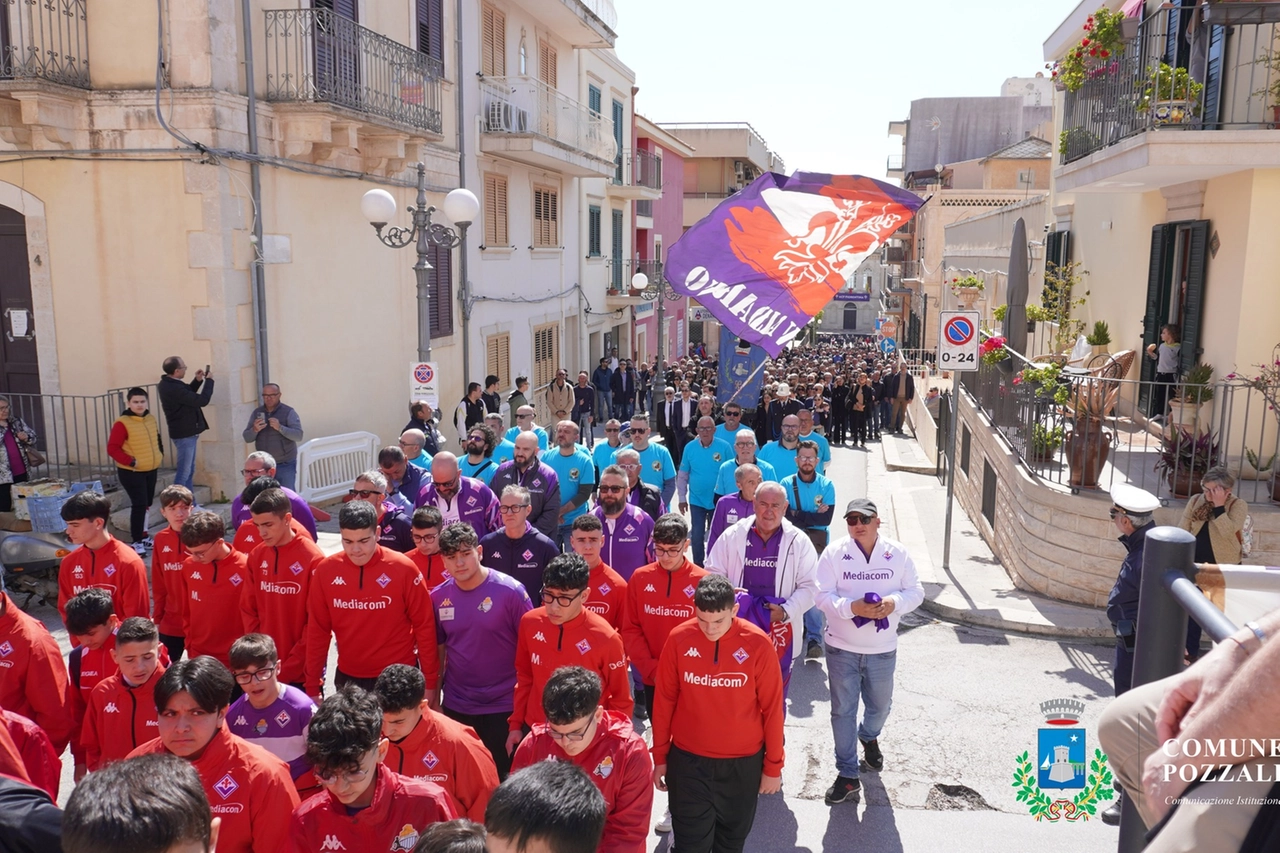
(460, 205)
(661, 291)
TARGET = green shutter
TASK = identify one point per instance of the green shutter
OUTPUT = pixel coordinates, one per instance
(1193, 299)
(1162, 238)
(618, 112)
(618, 271)
(594, 222)
(593, 99)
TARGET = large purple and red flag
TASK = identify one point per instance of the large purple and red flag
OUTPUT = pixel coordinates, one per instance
(769, 258)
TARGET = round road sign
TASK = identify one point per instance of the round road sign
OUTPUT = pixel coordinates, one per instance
(959, 331)
(888, 347)
(888, 328)
(423, 373)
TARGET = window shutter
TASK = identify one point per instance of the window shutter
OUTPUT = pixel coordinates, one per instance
(1211, 99)
(345, 8)
(440, 305)
(495, 211)
(593, 99)
(1153, 318)
(493, 42)
(1193, 298)
(618, 271)
(594, 222)
(431, 28)
(547, 64)
(618, 112)
(498, 358)
(546, 216)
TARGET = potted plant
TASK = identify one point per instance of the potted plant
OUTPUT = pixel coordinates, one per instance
(1099, 337)
(1075, 142)
(1045, 442)
(1170, 95)
(1046, 381)
(1090, 401)
(1185, 456)
(967, 289)
(1058, 298)
(992, 350)
(1189, 404)
(1255, 467)
(1104, 37)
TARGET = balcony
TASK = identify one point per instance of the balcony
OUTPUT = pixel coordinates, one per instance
(347, 94)
(1121, 132)
(637, 175)
(44, 74)
(526, 120)
(621, 271)
(893, 166)
(912, 271)
(582, 23)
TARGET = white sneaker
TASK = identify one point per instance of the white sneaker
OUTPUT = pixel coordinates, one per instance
(140, 549)
(664, 825)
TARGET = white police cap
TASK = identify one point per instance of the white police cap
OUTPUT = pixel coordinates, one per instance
(1133, 499)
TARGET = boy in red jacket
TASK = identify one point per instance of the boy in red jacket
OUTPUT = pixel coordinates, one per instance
(717, 715)
(366, 806)
(426, 744)
(248, 788)
(274, 602)
(33, 678)
(122, 708)
(101, 560)
(549, 806)
(91, 624)
(215, 577)
(603, 744)
(427, 524)
(563, 633)
(608, 589)
(167, 557)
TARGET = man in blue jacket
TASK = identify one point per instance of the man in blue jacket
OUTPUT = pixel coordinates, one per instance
(1132, 514)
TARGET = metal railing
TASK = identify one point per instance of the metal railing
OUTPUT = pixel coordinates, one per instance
(525, 106)
(638, 168)
(893, 163)
(1091, 431)
(1133, 93)
(913, 270)
(318, 55)
(710, 196)
(604, 10)
(45, 39)
(621, 271)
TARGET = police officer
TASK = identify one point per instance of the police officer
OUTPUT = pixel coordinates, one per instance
(1132, 514)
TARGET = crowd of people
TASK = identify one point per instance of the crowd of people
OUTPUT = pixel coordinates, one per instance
(527, 597)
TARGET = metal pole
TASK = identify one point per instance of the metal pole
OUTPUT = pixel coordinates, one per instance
(662, 318)
(951, 477)
(464, 289)
(422, 267)
(257, 274)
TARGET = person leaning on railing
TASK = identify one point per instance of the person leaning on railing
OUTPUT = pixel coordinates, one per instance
(1216, 518)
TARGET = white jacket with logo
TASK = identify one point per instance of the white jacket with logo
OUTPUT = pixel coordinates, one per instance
(846, 575)
(795, 580)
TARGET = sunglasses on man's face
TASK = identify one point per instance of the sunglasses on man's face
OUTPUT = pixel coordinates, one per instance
(855, 519)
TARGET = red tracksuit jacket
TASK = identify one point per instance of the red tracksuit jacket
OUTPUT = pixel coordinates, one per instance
(608, 594)
(719, 699)
(586, 641)
(431, 566)
(274, 601)
(450, 754)
(167, 588)
(115, 567)
(380, 613)
(33, 678)
(43, 765)
(248, 787)
(120, 718)
(96, 666)
(247, 536)
(402, 808)
(618, 762)
(211, 617)
(657, 601)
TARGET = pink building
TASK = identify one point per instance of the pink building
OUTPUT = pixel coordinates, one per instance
(658, 224)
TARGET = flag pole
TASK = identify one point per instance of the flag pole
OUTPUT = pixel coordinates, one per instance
(746, 382)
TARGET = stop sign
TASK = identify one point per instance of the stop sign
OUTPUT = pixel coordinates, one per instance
(888, 328)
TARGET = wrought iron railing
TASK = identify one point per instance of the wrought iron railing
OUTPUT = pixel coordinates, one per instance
(527, 106)
(638, 168)
(318, 55)
(1091, 430)
(1148, 85)
(45, 39)
(621, 271)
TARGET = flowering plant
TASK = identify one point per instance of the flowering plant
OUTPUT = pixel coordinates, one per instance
(1091, 57)
(1266, 382)
(992, 350)
(969, 282)
(1046, 379)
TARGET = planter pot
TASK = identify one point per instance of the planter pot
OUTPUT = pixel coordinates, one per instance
(1185, 482)
(1193, 418)
(1041, 454)
(1088, 445)
(1172, 113)
(1129, 28)
(967, 296)
(1099, 349)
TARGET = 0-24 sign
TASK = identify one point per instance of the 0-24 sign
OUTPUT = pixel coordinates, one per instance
(958, 340)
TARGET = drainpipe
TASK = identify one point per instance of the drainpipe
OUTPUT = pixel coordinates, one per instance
(464, 288)
(256, 272)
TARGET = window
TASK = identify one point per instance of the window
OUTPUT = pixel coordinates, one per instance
(431, 28)
(594, 225)
(547, 60)
(493, 42)
(546, 354)
(619, 111)
(497, 358)
(546, 219)
(440, 303)
(495, 210)
(593, 99)
(619, 272)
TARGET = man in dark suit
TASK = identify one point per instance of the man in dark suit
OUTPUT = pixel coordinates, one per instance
(625, 384)
(664, 421)
(900, 389)
(684, 413)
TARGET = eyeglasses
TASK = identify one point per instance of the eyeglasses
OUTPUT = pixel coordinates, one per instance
(1114, 511)
(855, 519)
(422, 538)
(562, 600)
(511, 510)
(574, 736)
(608, 489)
(733, 414)
(254, 472)
(365, 493)
(606, 429)
(522, 417)
(409, 444)
(629, 466)
(263, 674)
(351, 777)
(203, 552)
(669, 552)
(479, 437)
(277, 394)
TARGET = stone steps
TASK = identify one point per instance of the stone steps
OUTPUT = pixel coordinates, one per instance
(155, 521)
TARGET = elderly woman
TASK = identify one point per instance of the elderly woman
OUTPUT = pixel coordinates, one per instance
(1216, 518)
(15, 464)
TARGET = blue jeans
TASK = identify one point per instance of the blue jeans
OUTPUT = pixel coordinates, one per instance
(186, 462)
(604, 405)
(699, 518)
(287, 474)
(854, 675)
(815, 624)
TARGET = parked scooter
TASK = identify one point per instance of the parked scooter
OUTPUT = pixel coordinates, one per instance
(30, 563)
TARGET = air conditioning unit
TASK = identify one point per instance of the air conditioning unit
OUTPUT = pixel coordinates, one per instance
(499, 117)
(521, 121)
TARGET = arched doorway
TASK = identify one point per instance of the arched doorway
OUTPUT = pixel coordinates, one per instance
(850, 318)
(19, 363)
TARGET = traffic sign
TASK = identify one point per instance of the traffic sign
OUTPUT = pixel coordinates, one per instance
(887, 346)
(958, 340)
(888, 328)
(424, 382)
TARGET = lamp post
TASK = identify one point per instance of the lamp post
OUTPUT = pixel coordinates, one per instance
(460, 205)
(661, 291)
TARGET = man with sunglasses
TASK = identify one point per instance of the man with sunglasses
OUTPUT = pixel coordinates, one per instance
(732, 425)
(459, 498)
(656, 465)
(517, 548)
(394, 528)
(628, 530)
(601, 742)
(862, 637)
(478, 462)
(563, 633)
(602, 453)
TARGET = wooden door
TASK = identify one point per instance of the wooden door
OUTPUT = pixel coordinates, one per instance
(338, 49)
(19, 365)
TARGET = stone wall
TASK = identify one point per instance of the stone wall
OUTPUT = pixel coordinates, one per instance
(1051, 541)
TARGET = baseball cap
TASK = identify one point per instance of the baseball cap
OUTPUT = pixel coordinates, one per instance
(865, 506)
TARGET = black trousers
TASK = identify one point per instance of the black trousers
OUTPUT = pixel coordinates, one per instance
(713, 800)
(858, 427)
(140, 486)
(493, 731)
(6, 492)
(341, 680)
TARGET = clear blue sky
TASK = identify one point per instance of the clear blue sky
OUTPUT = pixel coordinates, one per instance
(821, 79)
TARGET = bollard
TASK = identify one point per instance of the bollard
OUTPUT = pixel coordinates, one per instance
(1161, 637)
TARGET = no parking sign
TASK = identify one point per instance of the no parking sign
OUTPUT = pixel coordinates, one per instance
(958, 340)
(424, 382)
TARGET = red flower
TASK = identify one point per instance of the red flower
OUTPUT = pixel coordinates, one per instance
(1084, 42)
(1105, 54)
(1093, 51)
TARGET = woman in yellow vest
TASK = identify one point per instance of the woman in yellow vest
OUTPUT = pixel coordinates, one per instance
(135, 446)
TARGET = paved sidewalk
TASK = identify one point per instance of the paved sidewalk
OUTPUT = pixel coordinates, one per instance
(975, 589)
